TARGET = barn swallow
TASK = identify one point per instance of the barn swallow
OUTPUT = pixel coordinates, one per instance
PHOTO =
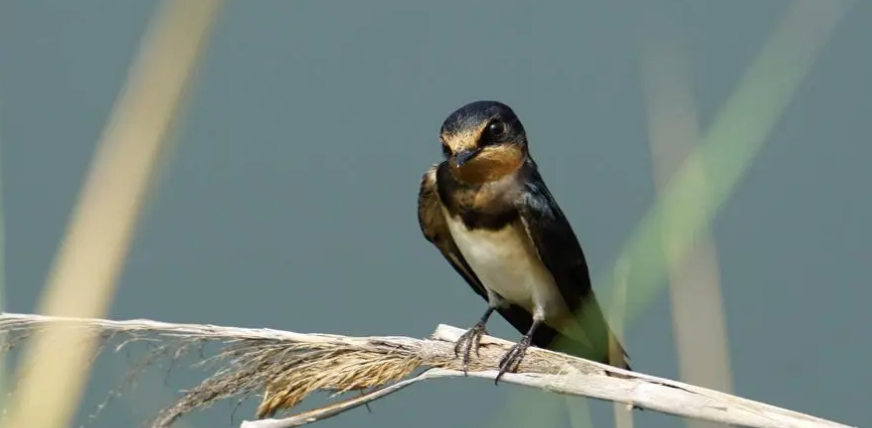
(488, 211)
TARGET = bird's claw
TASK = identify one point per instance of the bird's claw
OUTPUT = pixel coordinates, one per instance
(512, 359)
(468, 343)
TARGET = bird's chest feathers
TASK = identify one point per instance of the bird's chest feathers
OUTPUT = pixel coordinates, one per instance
(506, 263)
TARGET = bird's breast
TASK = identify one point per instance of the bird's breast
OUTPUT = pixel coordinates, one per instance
(507, 263)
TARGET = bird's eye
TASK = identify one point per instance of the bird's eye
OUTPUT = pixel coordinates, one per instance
(496, 128)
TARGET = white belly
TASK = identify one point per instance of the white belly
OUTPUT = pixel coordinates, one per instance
(507, 265)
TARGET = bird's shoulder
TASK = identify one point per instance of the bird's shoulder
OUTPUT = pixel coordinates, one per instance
(430, 216)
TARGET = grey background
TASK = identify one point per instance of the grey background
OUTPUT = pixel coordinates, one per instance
(290, 200)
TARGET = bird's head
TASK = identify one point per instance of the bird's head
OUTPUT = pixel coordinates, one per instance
(483, 141)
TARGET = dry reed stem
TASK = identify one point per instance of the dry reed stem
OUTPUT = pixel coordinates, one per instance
(82, 280)
(698, 318)
(618, 313)
(699, 321)
(288, 366)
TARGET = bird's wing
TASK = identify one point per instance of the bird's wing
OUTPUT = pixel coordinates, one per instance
(560, 252)
(435, 229)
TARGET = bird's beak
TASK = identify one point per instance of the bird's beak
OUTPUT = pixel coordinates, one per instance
(465, 156)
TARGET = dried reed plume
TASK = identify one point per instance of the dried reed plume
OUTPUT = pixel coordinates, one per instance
(289, 366)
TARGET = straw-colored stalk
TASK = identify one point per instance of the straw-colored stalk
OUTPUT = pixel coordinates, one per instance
(698, 319)
(82, 280)
(289, 366)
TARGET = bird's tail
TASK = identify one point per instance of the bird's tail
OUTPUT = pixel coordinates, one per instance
(617, 354)
(612, 353)
(596, 342)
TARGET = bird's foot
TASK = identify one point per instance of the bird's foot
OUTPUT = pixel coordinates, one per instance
(469, 342)
(512, 359)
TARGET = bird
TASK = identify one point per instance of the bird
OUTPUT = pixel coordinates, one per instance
(487, 210)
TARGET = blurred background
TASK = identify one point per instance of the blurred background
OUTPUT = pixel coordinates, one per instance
(711, 156)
